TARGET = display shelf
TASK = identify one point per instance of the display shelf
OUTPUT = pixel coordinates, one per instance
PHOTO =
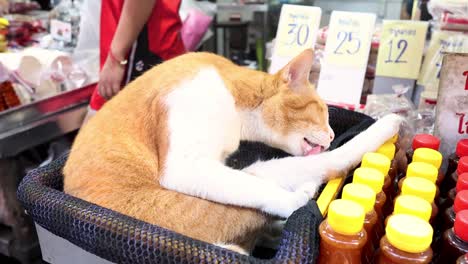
(32, 124)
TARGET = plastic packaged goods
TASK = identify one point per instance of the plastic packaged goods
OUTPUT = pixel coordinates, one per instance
(422, 188)
(407, 240)
(65, 24)
(364, 196)
(460, 204)
(455, 240)
(342, 236)
(412, 205)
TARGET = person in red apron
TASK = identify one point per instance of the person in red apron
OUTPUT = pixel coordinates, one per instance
(134, 36)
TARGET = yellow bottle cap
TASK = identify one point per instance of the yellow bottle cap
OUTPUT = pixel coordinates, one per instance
(393, 140)
(345, 217)
(409, 233)
(422, 170)
(419, 187)
(413, 205)
(376, 161)
(361, 194)
(387, 149)
(428, 155)
(370, 177)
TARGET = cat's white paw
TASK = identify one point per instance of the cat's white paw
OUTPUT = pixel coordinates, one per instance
(386, 127)
(310, 188)
(287, 203)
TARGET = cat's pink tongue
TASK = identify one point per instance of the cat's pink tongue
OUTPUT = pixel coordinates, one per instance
(314, 151)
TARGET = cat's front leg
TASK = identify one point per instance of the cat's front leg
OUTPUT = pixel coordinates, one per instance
(211, 180)
(350, 154)
(308, 173)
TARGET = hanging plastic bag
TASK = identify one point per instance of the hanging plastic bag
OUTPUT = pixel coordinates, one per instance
(194, 28)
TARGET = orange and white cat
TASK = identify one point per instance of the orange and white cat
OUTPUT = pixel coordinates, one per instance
(156, 151)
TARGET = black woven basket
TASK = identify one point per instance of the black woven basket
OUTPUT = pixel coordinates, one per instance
(122, 239)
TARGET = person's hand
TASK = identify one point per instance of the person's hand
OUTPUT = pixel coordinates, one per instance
(110, 79)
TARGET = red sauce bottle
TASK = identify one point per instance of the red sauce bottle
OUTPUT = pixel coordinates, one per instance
(451, 179)
(461, 203)
(462, 184)
(455, 242)
(461, 151)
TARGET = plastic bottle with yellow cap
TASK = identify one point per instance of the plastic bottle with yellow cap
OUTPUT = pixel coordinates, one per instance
(430, 156)
(380, 162)
(412, 205)
(407, 240)
(342, 236)
(422, 188)
(375, 180)
(388, 149)
(422, 170)
(365, 196)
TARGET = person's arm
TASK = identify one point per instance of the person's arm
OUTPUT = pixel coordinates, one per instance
(134, 16)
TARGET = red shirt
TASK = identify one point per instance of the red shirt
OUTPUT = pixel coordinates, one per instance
(163, 27)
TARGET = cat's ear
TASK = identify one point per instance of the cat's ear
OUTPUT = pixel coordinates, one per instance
(296, 73)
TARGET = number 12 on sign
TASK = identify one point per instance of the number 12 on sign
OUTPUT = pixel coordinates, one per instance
(401, 48)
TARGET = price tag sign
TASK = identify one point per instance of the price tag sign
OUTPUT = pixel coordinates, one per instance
(349, 38)
(401, 48)
(346, 55)
(452, 103)
(441, 41)
(297, 31)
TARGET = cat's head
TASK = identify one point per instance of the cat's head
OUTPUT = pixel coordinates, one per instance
(295, 113)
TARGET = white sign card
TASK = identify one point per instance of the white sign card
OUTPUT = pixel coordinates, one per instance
(297, 31)
(346, 54)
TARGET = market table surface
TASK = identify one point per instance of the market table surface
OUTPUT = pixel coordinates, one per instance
(30, 125)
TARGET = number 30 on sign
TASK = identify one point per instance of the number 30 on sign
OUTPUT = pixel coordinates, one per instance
(297, 29)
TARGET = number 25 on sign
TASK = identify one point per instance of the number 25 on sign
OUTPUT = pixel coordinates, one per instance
(347, 43)
(349, 39)
(297, 29)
